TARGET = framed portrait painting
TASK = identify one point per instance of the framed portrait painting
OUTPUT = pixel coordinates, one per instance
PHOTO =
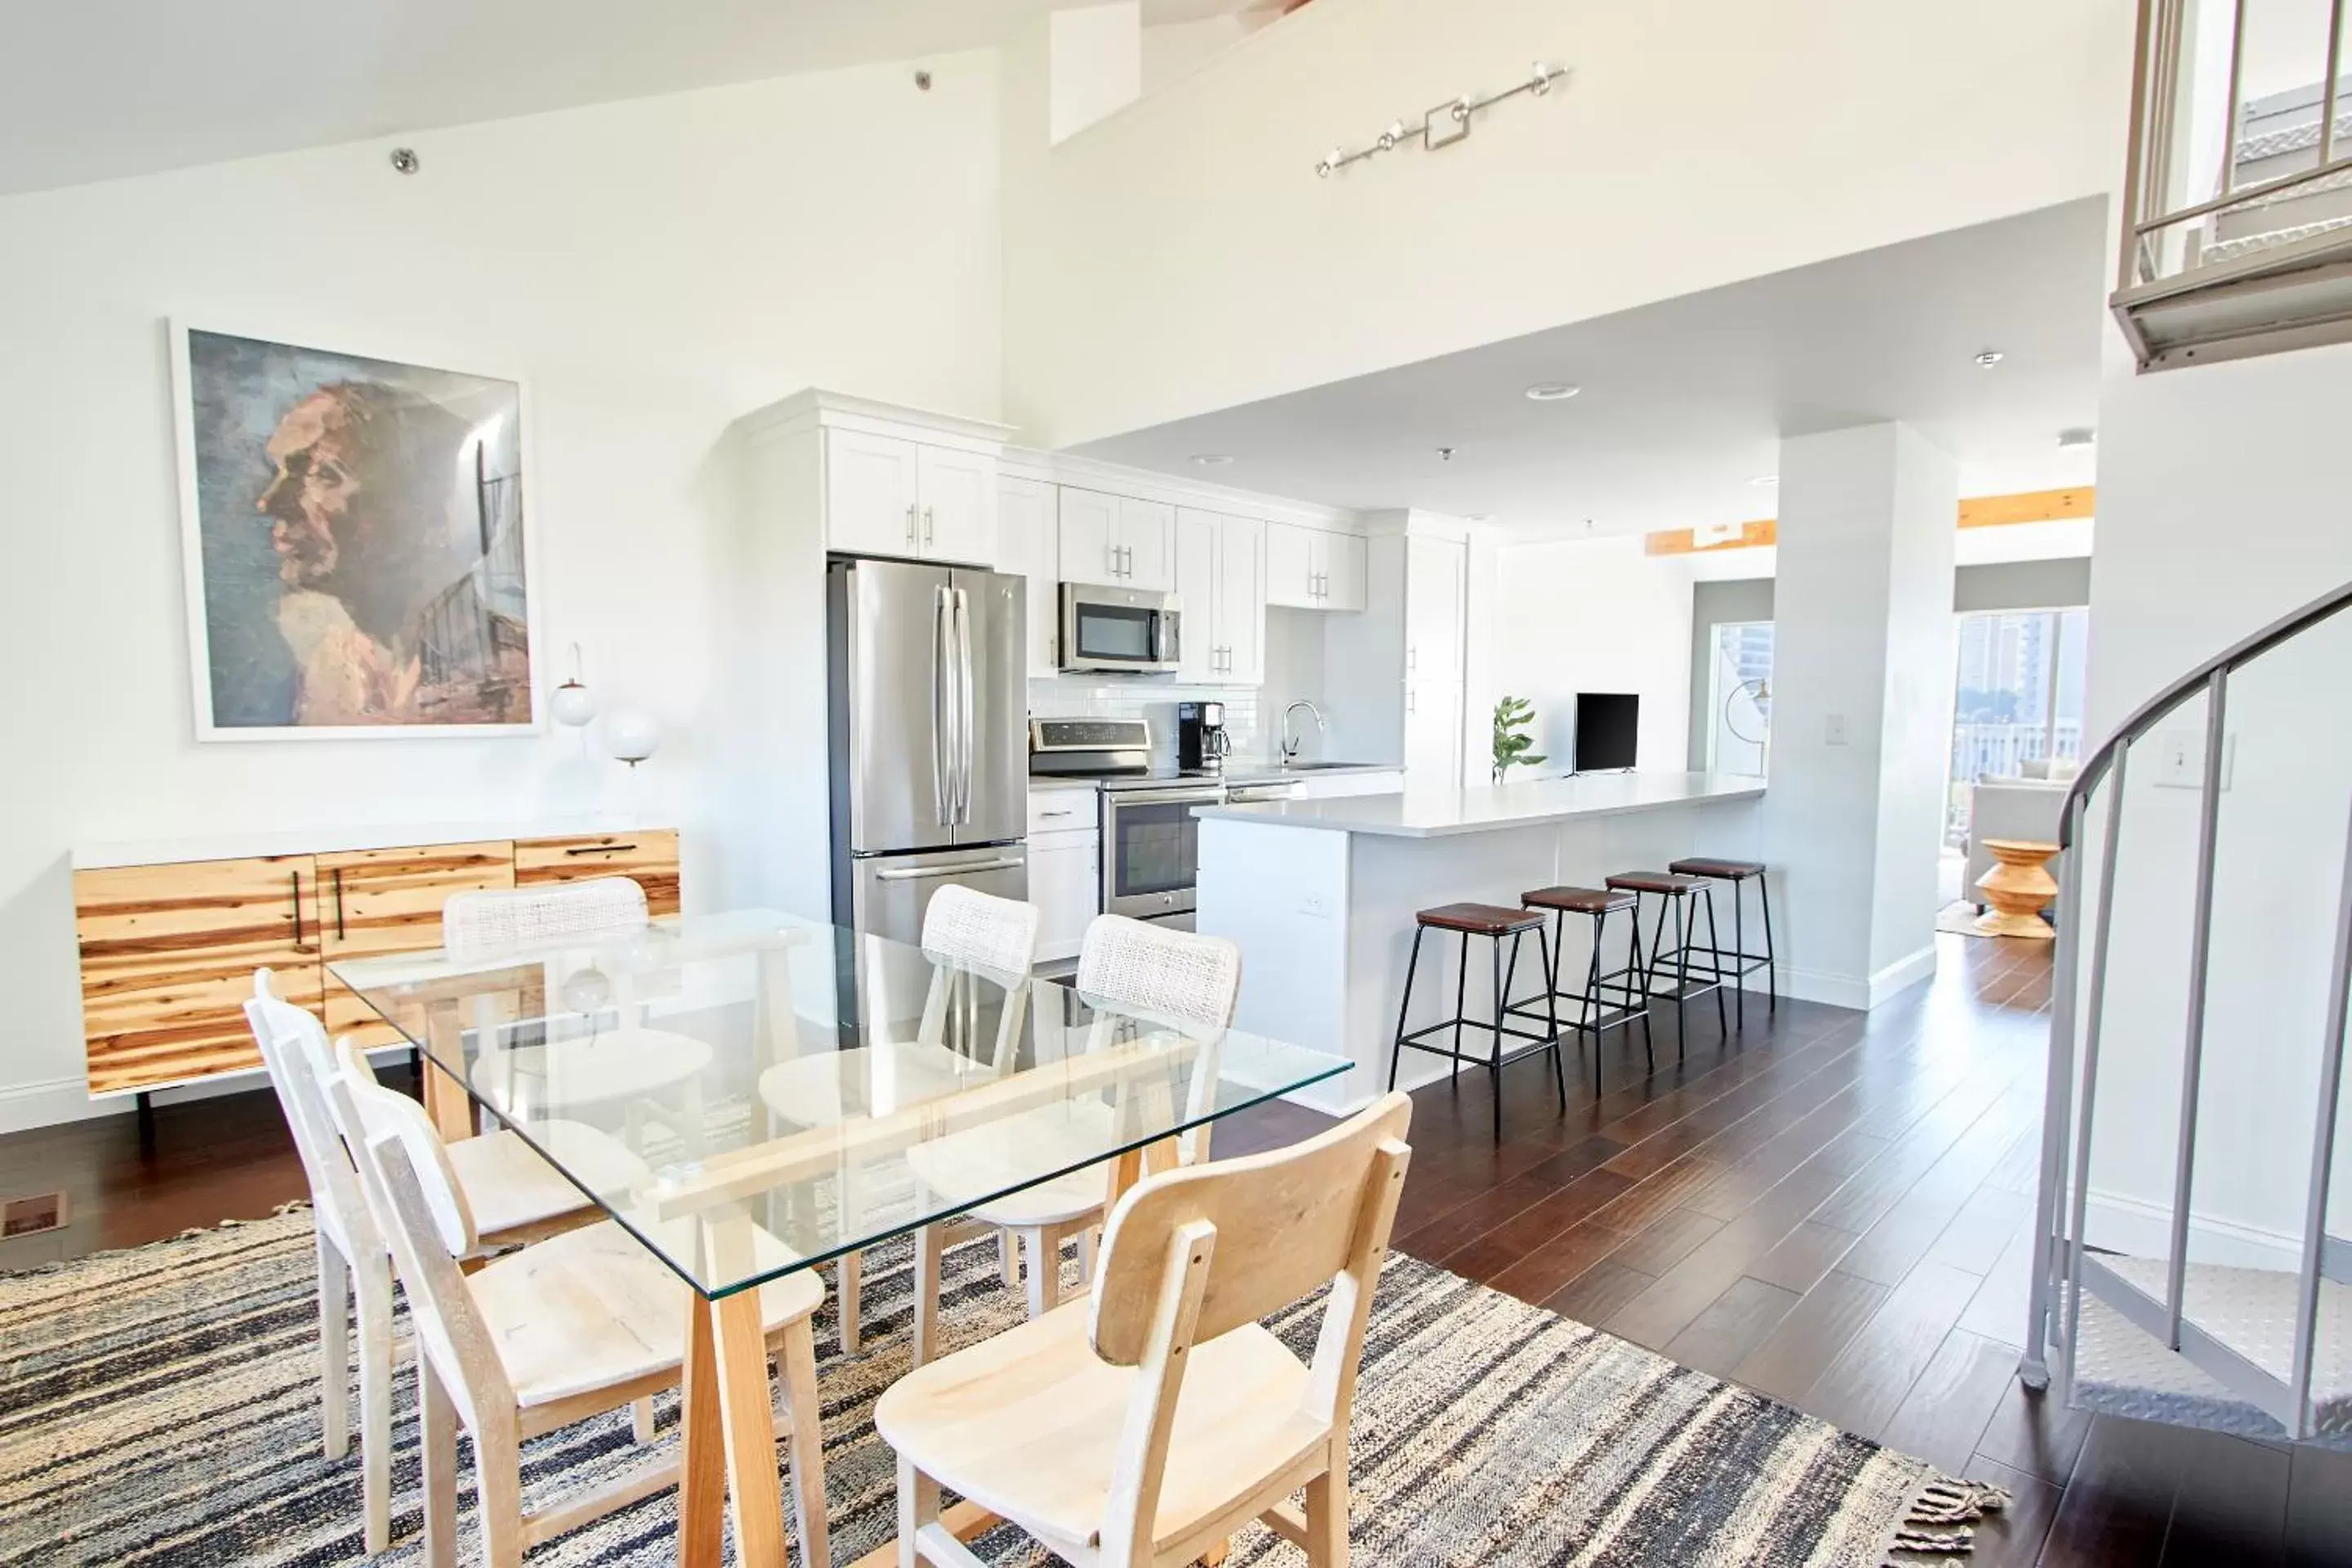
(356, 540)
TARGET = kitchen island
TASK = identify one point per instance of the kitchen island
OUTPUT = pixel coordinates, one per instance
(1321, 895)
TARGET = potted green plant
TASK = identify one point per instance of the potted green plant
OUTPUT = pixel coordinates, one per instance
(1513, 716)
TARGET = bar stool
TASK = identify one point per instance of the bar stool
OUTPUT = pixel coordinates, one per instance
(1617, 988)
(1496, 922)
(1737, 872)
(1673, 889)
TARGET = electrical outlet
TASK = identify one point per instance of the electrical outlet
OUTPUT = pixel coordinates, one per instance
(2180, 758)
(1836, 730)
(1314, 906)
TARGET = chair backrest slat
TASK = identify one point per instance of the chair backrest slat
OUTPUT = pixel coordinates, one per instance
(483, 924)
(1178, 976)
(1287, 1222)
(288, 1035)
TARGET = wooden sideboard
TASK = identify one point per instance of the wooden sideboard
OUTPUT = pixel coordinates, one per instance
(169, 948)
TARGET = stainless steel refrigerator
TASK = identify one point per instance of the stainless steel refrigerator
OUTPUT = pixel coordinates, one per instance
(930, 700)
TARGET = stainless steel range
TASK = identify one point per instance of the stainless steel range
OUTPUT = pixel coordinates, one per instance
(1151, 839)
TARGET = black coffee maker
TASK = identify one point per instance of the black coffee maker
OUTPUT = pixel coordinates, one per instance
(1201, 743)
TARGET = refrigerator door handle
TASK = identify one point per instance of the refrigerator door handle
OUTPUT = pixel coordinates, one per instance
(968, 718)
(939, 679)
(925, 873)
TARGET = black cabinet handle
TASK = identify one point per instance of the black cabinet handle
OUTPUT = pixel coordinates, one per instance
(298, 907)
(339, 903)
(601, 850)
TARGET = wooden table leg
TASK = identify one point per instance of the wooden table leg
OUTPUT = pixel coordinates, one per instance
(755, 1497)
(445, 1099)
(702, 1480)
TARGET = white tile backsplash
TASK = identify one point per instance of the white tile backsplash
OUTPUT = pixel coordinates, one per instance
(1153, 700)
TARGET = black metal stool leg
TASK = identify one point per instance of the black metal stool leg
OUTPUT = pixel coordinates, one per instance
(1682, 981)
(1715, 952)
(1551, 1014)
(1461, 1003)
(1494, 1057)
(1634, 947)
(1771, 961)
(1593, 998)
(1739, 941)
(1396, 1052)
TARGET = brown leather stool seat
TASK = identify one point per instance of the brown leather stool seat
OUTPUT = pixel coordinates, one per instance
(1480, 920)
(1578, 900)
(1669, 882)
(1725, 870)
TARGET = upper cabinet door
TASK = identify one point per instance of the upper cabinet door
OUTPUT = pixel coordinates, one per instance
(1241, 599)
(1147, 531)
(1290, 567)
(1434, 571)
(958, 492)
(1343, 571)
(1090, 545)
(1028, 544)
(871, 489)
(1198, 582)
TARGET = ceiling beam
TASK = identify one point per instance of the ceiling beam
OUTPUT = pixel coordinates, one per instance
(1980, 511)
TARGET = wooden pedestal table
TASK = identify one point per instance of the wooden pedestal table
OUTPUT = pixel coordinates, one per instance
(2019, 887)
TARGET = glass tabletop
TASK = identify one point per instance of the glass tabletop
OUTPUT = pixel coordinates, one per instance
(751, 1093)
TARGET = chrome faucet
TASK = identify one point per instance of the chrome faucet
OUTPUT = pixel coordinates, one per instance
(1290, 741)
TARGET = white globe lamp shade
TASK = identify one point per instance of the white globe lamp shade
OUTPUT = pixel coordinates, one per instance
(632, 737)
(572, 704)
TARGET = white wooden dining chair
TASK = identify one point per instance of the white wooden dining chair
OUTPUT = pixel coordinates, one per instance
(538, 1338)
(517, 1197)
(1191, 982)
(1144, 1425)
(976, 942)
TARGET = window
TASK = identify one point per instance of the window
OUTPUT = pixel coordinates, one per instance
(2020, 700)
(1740, 722)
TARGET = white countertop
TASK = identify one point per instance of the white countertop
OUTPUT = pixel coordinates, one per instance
(1438, 813)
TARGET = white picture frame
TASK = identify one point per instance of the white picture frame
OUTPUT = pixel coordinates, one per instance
(205, 456)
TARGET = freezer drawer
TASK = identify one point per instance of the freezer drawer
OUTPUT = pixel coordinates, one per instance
(890, 892)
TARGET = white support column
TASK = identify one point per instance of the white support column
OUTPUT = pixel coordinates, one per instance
(1861, 708)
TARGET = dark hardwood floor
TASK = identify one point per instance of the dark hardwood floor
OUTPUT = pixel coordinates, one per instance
(1832, 1208)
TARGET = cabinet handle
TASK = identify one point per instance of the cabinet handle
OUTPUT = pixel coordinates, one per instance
(1043, 814)
(927, 525)
(1413, 661)
(910, 522)
(339, 903)
(298, 909)
(601, 850)
(1411, 702)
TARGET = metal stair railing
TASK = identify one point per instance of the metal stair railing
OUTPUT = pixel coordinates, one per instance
(2063, 1270)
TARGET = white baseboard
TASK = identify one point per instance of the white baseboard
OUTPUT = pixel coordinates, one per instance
(1850, 991)
(50, 1102)
(2143, 1229)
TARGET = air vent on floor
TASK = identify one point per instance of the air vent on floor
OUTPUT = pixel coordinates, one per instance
(29, 1217)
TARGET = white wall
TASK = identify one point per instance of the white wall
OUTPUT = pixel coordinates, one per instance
(1590, 616)
(654, 267)
(1190, 233)
(2223, 492)
(1097, 63)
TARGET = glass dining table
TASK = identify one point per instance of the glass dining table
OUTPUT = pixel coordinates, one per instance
(787, 1092)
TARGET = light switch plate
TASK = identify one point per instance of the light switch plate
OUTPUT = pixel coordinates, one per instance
(2180, 758)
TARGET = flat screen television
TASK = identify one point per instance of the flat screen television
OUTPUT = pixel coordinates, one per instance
(1608, 724)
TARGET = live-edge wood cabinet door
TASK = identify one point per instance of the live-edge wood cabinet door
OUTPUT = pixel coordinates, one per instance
(649, 858)
(375, 901)
(167, 960)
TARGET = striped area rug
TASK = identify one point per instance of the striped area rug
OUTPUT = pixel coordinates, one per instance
(160, 1405)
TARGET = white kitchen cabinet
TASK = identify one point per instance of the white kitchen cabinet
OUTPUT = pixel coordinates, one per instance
(957, 491)
(1220, 580)
(1313, 568)
(1028, 544)
(1117, 540)
(1433, 573)
(1065, 884)
(1433, 732)
(871, 485)
(886, 495)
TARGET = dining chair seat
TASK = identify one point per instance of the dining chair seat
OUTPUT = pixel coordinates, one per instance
(1028, 1425)
(512, 1188)
(591, 1309)
(601, 1070)
(973, 1166)
(812, 1091)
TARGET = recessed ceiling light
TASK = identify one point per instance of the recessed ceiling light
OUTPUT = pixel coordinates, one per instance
(1552, 392)
(1211, 459)
(1989, 358)
(2079, 436)
(1481, 517)
(1768, 480)
(1445, 454)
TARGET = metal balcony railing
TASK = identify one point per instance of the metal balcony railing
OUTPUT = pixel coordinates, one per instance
(2237, 231)
(2238, 1348)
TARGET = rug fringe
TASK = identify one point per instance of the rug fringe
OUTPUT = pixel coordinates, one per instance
(1938, 1523)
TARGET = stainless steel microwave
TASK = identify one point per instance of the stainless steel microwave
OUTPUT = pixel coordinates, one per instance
(1126, 630)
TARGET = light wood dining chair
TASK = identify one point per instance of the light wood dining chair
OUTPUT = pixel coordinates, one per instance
(1191, 982)
(516, 1197)
(976, 942)
(536, 1340)
(1146, 1424)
